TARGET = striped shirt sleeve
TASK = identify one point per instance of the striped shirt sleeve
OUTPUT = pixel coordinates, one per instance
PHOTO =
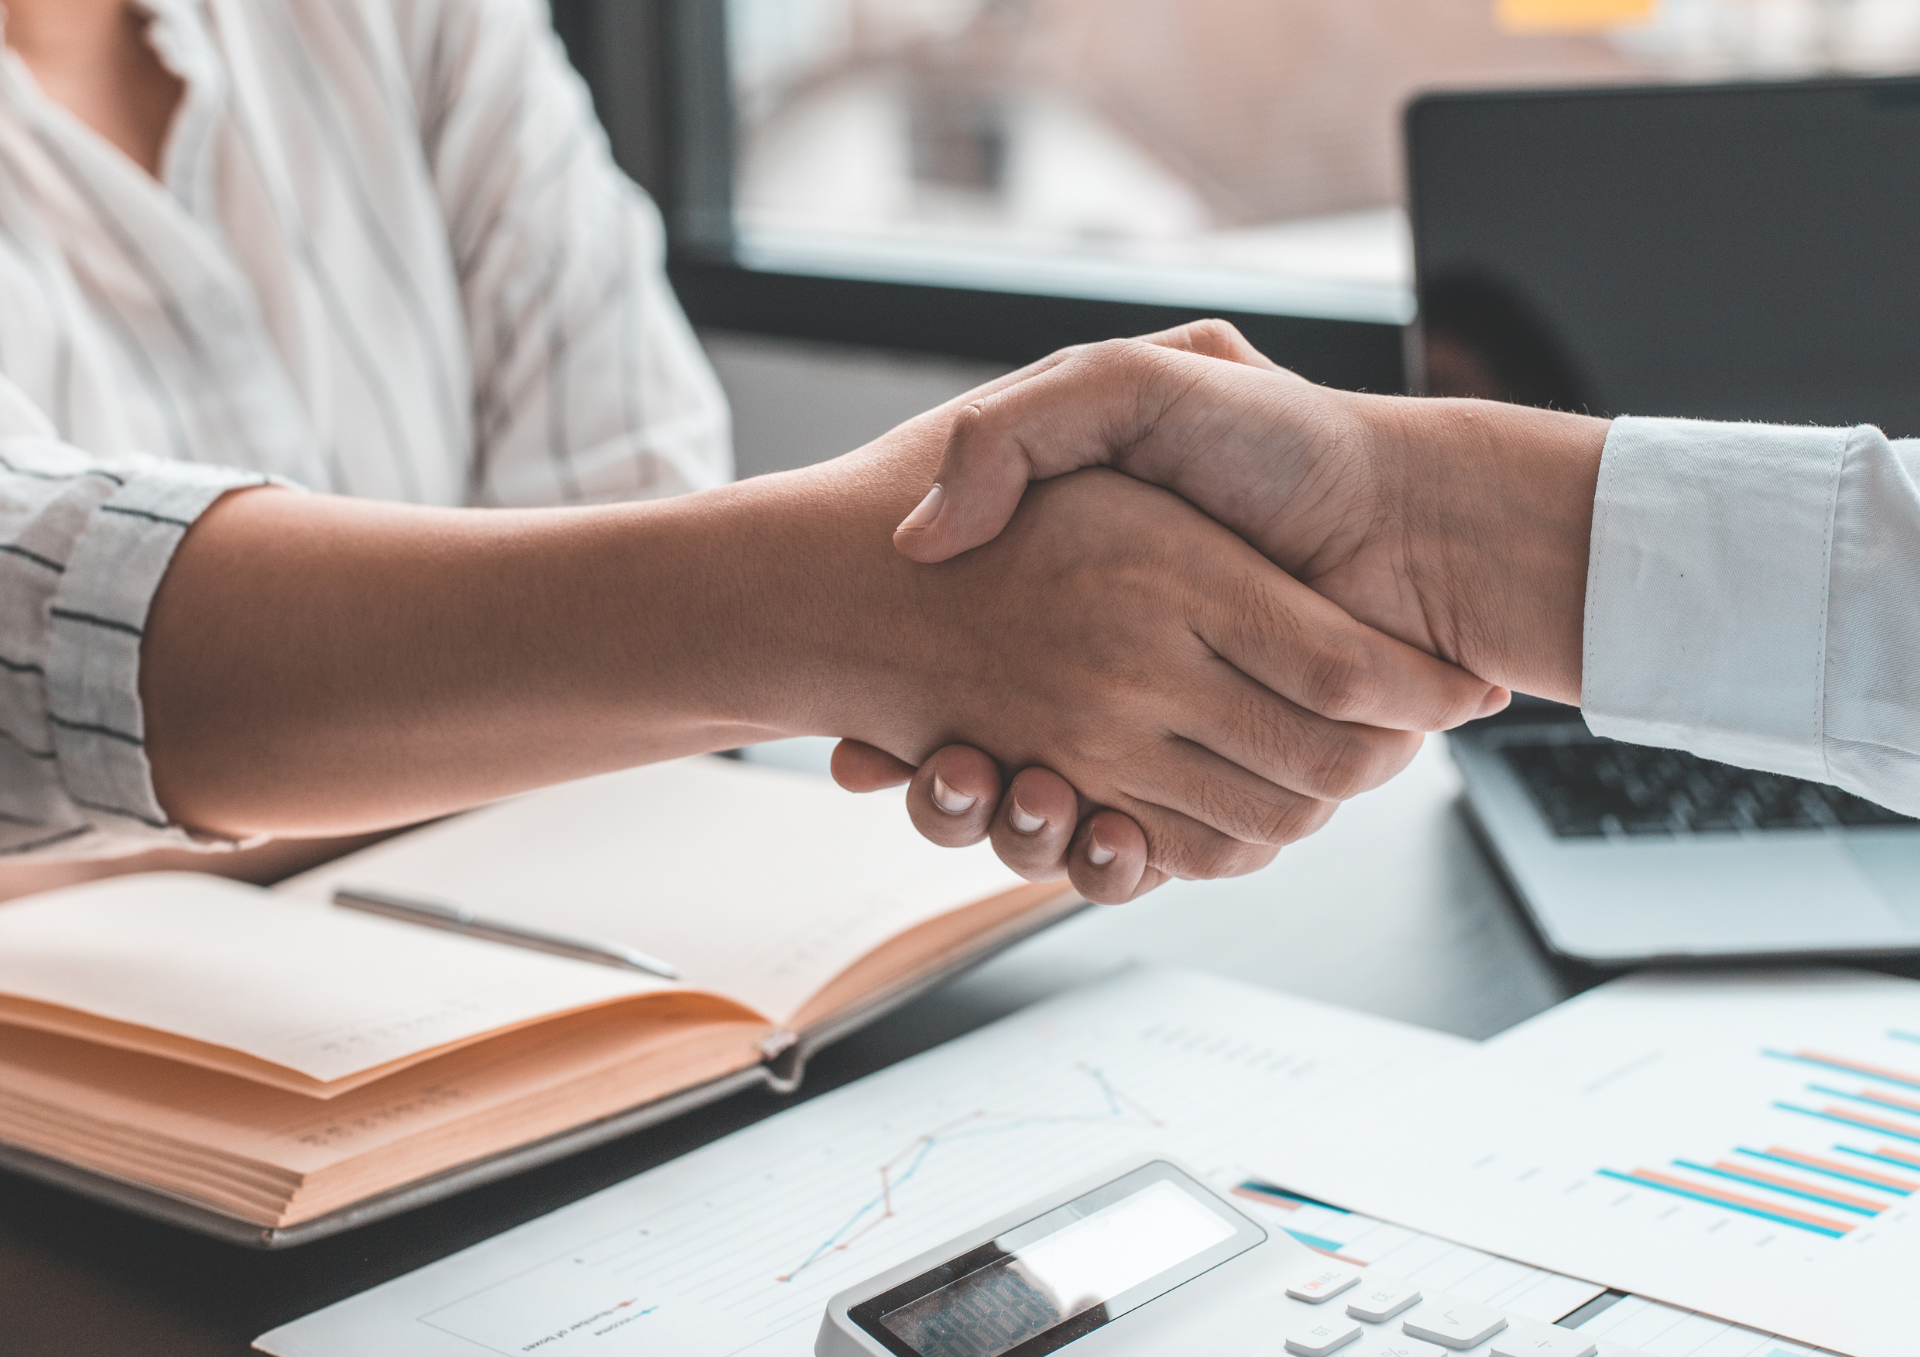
(590, 384)
(83, 544)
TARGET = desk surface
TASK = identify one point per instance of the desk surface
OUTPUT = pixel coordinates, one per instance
(1392, 909)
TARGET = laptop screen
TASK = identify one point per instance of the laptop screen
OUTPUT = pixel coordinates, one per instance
(1720, 252)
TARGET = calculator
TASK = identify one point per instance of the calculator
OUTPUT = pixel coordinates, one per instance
(1145, 1260)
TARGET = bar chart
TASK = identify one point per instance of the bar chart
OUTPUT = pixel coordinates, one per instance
(1742, 1144)
(1832, 1189)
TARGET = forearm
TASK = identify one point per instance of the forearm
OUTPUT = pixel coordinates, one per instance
(316, 665)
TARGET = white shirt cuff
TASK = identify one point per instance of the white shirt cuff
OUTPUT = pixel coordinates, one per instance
(1707, 587)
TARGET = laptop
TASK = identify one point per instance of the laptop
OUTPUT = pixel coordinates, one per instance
(1747, 251)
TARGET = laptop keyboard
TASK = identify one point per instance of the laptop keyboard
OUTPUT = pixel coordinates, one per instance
(1588, 787)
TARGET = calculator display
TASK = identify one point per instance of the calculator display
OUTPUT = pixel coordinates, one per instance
(1040, 1286)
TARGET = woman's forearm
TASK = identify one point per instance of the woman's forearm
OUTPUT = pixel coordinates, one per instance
(316, 665)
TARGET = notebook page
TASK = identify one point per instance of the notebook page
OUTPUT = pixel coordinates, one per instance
(323, 993)
(757, 883)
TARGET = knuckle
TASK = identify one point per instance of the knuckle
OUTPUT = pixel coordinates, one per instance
(1340, 680)
(1291, 818)
(1213, 337)
(1238, 858)
(1203, 855)
(1345, 763)
(1125, 354)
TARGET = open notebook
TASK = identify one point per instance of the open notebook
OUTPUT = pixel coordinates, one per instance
(267, 1066)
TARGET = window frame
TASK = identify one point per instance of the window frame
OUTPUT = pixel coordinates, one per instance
(660, 81)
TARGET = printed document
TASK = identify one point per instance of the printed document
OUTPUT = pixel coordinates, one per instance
(735, 1248)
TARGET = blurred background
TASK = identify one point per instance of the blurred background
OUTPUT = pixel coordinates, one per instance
(880, 202)
(1239, 150)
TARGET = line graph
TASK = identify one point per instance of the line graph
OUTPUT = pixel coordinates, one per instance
(877, 1210)
(748, 1238)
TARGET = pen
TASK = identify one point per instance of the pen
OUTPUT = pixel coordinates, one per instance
(456, 919)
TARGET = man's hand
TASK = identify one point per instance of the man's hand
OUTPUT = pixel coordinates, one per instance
(1414, 515)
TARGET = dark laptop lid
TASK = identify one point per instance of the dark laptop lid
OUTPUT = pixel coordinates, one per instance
(1725, 251)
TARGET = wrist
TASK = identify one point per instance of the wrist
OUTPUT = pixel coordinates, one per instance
(807, 621)
(1493, 507)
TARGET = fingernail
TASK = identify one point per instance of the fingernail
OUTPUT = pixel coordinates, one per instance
(1025, 821)
(1098, 853)
(925, 512)
(1497, 700)
(952, 802)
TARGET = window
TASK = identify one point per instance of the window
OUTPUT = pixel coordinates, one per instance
(1237, 154)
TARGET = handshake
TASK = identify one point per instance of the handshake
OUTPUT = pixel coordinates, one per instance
(1181, 603)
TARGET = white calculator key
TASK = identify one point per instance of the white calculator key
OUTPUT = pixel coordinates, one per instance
(1542, 1340)
(1395, 1345)
(1454, 1323)
(1324, 1284)
(1318, 1337)
(1381, 1298)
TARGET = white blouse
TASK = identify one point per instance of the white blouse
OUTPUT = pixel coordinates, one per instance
(389, 255)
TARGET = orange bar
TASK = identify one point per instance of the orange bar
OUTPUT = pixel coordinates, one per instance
(1874, 1095)
(1818, 1189)
(1264, 1199)
(1815, 1161)
(1900, 1155)
(1854, 1115)
(1687, 1185)
(1907, 1077)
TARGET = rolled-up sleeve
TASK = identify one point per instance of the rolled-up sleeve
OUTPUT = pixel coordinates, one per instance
(1753, 596)
(84, 543)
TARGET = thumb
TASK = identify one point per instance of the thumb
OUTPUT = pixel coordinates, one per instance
(1083, 412)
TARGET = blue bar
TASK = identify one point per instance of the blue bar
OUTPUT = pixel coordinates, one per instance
(1866, 1098)
(1314, 1241)
(1855, 1123)
(1905, 1036)
(1269, 1190)
(1830, 1173)
(1879, 1158)
(1725, 1206)
(1842, 1069)
(1775, 1187)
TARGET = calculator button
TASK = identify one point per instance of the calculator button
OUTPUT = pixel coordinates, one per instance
(1324, 1284)
(1318, 1337)
(1542, 1340)
(1384, 1297)
(1395, 1345)
(1454, 1323)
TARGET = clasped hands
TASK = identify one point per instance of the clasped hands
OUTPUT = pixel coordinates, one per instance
(1346, 573)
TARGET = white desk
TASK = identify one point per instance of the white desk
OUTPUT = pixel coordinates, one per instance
(1392, 908)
